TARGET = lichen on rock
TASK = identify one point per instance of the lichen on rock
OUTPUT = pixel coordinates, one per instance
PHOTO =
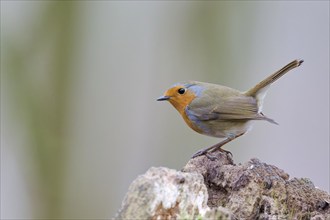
(163, 193)
(213, 187)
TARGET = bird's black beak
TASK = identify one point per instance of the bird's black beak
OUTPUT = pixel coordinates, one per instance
(163, 98)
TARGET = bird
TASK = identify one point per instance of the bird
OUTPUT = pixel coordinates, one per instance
(220, 111)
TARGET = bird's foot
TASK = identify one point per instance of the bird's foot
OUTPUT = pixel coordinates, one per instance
(203, 152)
(222, 150)
(207, 151)
(199, 153)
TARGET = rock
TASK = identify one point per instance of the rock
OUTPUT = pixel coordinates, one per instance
(213, 187)
(163, 193)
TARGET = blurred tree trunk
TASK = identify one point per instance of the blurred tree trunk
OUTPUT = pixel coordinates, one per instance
(40, 72)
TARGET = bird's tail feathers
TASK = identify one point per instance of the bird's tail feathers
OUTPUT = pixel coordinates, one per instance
(259, 91)
(263, 85)
(261, 116)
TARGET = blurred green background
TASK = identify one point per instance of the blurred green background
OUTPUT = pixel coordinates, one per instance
(79, 79)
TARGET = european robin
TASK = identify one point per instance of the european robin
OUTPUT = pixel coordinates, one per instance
(220, 111)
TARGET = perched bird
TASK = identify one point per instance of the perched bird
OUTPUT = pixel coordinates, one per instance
(220, 111)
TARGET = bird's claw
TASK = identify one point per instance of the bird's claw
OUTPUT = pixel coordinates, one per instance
(205, 152)
(199, 153)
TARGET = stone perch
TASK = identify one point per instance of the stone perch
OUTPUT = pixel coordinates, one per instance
(215, 188)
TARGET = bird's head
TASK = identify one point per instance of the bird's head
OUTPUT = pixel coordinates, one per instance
(181, 95)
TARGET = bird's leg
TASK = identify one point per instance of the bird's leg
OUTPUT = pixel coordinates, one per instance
(216, 147)
(212, 148)
(203, 151)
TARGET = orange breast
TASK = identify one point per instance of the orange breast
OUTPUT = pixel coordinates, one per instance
(180, 102)
(190, 123)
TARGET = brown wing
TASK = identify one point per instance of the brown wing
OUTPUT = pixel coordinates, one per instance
(228, 108)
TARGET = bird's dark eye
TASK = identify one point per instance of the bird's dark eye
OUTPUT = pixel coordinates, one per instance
(181, 91)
